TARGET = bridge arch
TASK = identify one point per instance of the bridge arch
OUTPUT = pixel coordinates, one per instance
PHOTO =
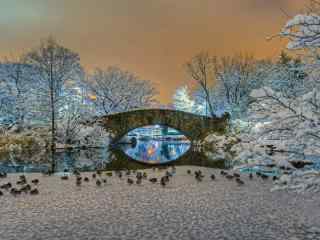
(195, 127)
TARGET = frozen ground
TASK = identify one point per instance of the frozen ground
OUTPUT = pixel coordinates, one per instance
(185, 209)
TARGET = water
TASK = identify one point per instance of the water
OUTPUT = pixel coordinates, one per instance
(316, 162)
(140, 148)
(154, 144)
(156, 151)
(261, 169)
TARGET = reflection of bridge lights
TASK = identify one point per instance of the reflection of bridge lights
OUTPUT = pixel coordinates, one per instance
(173, 152)
(151, 151)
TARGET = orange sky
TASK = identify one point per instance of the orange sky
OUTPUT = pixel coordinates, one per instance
(152, 38)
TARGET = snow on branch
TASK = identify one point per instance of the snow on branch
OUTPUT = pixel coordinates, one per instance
(303, 31)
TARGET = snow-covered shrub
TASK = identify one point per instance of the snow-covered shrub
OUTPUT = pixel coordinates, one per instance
(282, 128)
(83, 136)
(220, 145)
(93, 136)
(299, 181)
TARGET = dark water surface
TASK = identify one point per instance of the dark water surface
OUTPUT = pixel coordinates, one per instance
(140, 148)
(109, 159)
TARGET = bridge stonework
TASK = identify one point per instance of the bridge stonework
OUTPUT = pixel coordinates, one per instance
(195, 127)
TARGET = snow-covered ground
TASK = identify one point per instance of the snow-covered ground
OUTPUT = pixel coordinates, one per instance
(184, 209)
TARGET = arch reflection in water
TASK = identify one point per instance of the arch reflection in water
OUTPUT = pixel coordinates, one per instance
(155, 144)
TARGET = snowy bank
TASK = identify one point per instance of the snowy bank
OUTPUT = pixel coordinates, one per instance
(34, 142)
(299, 181)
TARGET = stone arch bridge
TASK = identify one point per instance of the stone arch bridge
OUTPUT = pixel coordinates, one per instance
(195, 127)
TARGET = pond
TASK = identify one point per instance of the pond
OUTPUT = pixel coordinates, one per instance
(144, 147)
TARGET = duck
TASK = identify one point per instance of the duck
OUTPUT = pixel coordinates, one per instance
(35, 181)
(213, 177)
(144, 175)
(86, 179)
(223, 173)
(22, 177)
(229, 177)
(166, 178)
(239, 181)
(25, 188)
(198, 174)
(94, 176)
(139, 180)
(98, 183)
(130, 181)
(78, 182)
(21, 182)
(153, 180)
(15, 191)
(64, 178)
(6, 186)
(236, 175)
(76, 172)
(34, 191)
(198, 178)
(79, 178)
(163, 181)
(139, 175)
(168, 174)
(3, 174)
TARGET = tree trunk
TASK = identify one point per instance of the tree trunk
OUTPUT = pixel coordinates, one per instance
(52, 106)
(53, 130)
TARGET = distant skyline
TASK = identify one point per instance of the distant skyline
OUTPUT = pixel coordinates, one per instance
(151, 38)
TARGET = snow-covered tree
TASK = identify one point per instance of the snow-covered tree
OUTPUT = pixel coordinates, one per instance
(115, 90)
(284, 112)
(233, 79)
(288, 76)
(183, 101)
(54, 66)
(216, 101)
(290, 125)
(16, 82)
(303, 30)
(200, 70)
(236, 76)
